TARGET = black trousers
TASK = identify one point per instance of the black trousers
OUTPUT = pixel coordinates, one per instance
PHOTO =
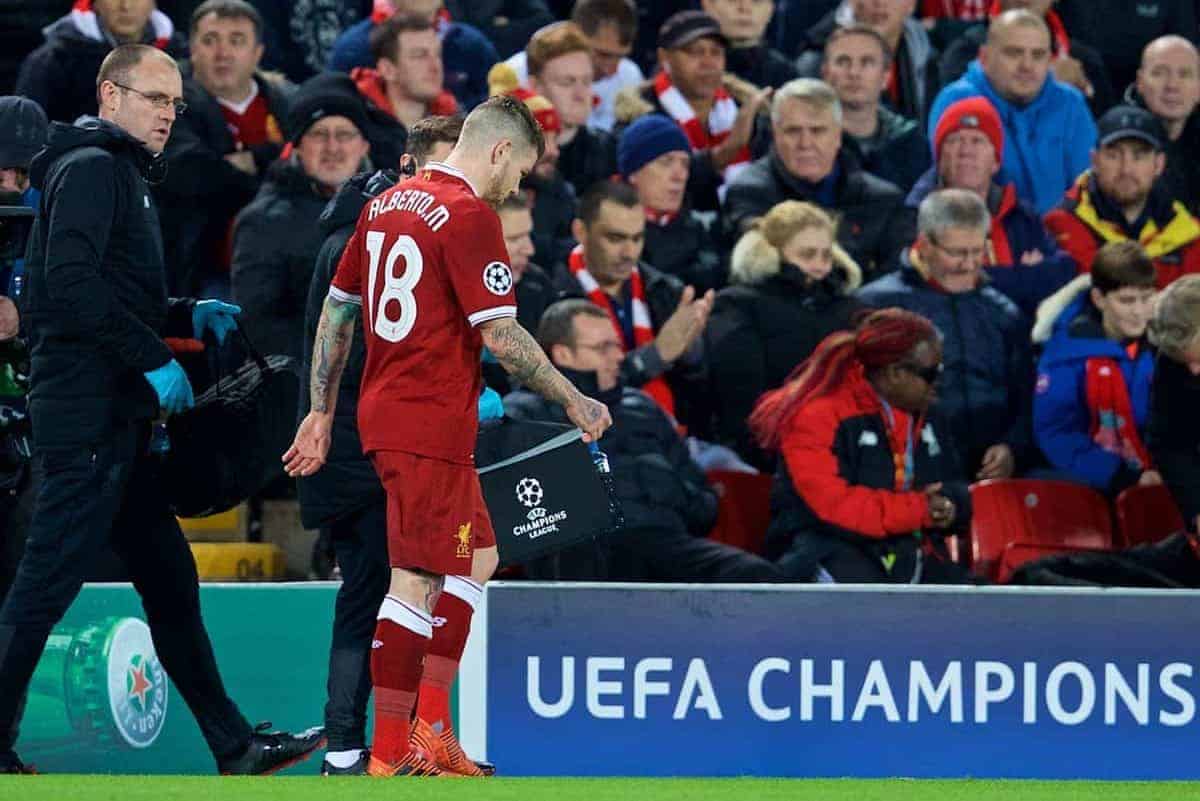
(360, 545)
(883, 563)
(16, 507)
(87, 497)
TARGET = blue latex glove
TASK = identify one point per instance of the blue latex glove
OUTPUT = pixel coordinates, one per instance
(216, 316)
(490, 407)
(172, 387)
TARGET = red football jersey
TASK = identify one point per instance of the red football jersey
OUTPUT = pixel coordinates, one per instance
(428, 263)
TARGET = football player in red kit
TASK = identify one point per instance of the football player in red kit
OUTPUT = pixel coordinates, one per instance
(428, 271)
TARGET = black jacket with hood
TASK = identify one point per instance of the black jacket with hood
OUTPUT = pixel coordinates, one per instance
(96, 304)
(347, 482)
(767, 322)
(61, 74)
(275, 242)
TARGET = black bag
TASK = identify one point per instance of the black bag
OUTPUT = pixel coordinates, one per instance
(542, 489)
(228, 446)
(1171, 562)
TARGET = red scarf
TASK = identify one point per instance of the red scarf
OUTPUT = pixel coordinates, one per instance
(1114, 427)
(643, 329)
(1058, 31)
(720, 120)
(371, 86)
(999, 250)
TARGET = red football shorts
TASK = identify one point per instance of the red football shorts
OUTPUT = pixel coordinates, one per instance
(436, 516)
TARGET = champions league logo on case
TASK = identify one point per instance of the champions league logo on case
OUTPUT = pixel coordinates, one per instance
(529, 492)
(541, 522)
(497, 278)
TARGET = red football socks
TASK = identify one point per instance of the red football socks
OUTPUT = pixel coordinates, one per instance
(452, 624)
(402, 636)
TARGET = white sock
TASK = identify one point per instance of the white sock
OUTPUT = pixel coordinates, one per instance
(343, 759)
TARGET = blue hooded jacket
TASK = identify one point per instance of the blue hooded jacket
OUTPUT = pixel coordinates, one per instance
(1061, 418)
(1047, 143)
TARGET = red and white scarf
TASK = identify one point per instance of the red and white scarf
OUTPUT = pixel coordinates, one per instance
(643, 328)
(87, 23)
(720, 121)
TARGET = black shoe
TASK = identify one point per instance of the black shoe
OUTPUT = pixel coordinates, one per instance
(271, 751)
(359, 768)
(10, 763)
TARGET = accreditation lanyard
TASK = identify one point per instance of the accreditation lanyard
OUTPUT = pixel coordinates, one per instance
(902, 457)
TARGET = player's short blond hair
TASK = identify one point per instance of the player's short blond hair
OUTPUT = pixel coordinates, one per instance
(502, 117)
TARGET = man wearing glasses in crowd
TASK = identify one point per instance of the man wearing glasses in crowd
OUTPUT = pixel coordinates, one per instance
(986, 391)
(96, 310)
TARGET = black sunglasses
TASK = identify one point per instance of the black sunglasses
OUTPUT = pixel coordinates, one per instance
(930, 375)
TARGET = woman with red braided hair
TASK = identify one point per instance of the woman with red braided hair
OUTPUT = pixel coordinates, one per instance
(869, 483)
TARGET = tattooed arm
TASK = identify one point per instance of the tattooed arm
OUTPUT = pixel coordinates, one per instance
(331, 350)
(525, 361)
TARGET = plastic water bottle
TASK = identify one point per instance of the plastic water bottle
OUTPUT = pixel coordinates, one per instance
(599, 458)
(160, 440)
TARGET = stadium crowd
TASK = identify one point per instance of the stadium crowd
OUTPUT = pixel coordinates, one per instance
(877, 249)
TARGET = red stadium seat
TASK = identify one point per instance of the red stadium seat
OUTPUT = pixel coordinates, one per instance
(1018, 520)
(1146, 514)
(744, 511)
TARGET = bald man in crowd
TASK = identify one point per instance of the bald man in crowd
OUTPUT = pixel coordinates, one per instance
(1168, 85)
(1048, 130)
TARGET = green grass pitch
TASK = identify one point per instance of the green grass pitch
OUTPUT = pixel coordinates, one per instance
(184, 788)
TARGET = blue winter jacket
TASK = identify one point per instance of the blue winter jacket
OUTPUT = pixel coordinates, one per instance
(1061, 418)
(1047, 144)
(985, 389)
(467, 55)
(1025, 285)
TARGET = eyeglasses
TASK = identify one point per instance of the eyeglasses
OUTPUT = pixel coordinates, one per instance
(342, 137)
(157, 99)
(961, 255)
(930, 375)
